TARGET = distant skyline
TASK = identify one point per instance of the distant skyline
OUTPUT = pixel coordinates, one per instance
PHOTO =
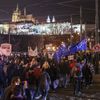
(61, 9)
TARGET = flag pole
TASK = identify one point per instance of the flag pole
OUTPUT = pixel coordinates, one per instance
(96, 22)
(80, 23)
(97, 33)
(71, 19)
(9, 35)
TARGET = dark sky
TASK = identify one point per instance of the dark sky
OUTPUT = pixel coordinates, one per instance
(61, 9)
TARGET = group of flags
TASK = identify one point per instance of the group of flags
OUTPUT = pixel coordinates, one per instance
(64, 51)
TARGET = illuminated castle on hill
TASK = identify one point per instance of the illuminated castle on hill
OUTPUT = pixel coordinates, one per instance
(17, 16)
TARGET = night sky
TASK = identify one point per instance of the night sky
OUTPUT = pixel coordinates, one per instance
(61, 9)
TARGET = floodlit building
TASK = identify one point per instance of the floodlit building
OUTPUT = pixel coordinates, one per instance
(23, 23)
(18, 16)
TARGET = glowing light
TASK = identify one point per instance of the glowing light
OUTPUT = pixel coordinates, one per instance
(62, 42)
(54, 48)
(53, 19)
(88, 39)
(48, 19)
(92, 36)
(78, 33)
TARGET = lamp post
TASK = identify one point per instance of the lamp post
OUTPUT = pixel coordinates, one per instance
(9, 34)
(80, 23)
(97, 33)
(71, 19)
(96, 22)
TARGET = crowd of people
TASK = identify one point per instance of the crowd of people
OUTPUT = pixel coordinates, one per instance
(30, 78)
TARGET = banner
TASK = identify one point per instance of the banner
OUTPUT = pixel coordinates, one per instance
(5, 49)
(96, 48)
(32, 52)
(71, 57)
(79, 47)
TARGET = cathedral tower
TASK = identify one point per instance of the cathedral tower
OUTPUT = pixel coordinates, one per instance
(16, 14)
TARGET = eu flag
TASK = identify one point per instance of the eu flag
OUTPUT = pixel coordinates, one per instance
(82, 45)
(61, 52)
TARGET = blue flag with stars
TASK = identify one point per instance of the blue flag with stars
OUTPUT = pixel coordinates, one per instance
(79, 47)
(61, 52)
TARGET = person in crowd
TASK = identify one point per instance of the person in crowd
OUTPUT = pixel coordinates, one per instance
(33, 77)
(2, 77)
(46, 65)
(17, 94)
(77, 76)
(64, 73)
(5, 79)
(37, 76)
(54, 75)
(8, 93)
(30, 78)
(11, 71)
(22, 70)
(92, 72)
(86, 75)
(45, 83)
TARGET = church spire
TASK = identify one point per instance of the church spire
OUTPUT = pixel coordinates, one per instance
(48, 19)
(24, 11)
(17, 7)
(53, 19)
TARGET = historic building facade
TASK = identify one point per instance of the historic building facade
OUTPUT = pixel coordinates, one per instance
(18, 16)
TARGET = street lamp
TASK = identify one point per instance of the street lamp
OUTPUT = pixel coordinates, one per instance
(71, 30)
(96, 22)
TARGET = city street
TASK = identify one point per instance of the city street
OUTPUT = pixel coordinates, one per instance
(92, 93)
(49, 49)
